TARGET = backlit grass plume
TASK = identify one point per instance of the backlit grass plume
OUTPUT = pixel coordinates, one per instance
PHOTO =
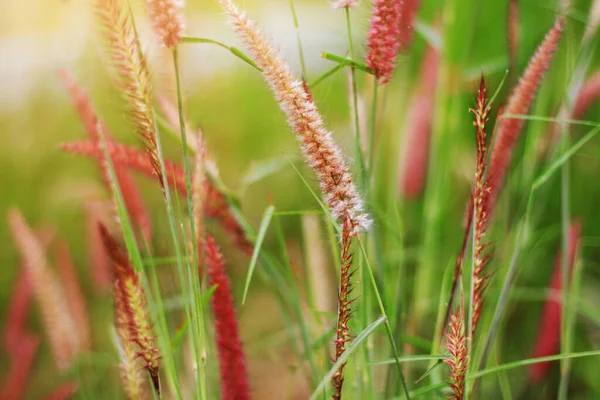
(458, 358)
(519, 103)
(21, 363)
(232, 361)
(215, 204)
(131, 195)
(56, 318)
(132, 298)
(383, 39)
(345, 3)
(547, 342)
(130, 64)
(321, 152)
(167, 20)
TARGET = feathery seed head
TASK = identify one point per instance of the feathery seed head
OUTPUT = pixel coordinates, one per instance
(383, 39)
(57, 321)
(407, 22)
(133, 303)
(232, 362)
(167, 20)
(130, 64)
(458, 358)
(547, 341)
(215, 203)
(589, 93)
(321, 152)
(519, 103)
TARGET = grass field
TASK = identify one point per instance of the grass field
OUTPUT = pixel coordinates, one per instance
(430, 231)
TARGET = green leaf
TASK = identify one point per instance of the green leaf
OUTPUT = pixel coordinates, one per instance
(262, 231)
(234, 50)
(345, 61)
(262, 169)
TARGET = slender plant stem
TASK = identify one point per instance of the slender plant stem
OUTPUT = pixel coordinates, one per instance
(299, 40)
(199, 344)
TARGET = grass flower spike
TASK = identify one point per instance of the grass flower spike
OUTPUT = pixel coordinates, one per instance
(130, 294)
(519, 103)
(345, 3)
(130, 64)
(458, 359)
(322, 154)
(547, 341)
(167, 20)
(234, 374)
(57, 321)
(383, 39)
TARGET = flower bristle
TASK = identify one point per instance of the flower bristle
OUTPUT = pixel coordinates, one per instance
(57, 321)
(321, 152)
(589, 93)
(167, 20)
(215, 204)
(97, 133)
(415, 153)
(547, 342)
(343, 335)
(458, 358)
(518, 104)
(383, 38)
(232, 360)
(130, 64)
(73, 293)
(134, 303)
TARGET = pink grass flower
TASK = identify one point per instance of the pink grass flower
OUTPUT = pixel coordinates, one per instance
(408, 17)
(167, 20)
(131, 195)
(547, 342)
(215, 204)
(519, 103)
(415, 155)
(321, 152)
(383, 38)
(458, 358)
(24, 353)
(234, 374)
(589, 93)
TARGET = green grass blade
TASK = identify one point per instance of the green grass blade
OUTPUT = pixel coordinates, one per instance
(234, 50)
(262, 231)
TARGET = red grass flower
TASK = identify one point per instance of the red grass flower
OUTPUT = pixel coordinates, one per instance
(215, 204)
(547, 341)
(131, 195)
(131, 299)
(458, 360)
(18, 376)
(519, 103)
(407, 22)
(234, 375)
(383, 39)
(589, 93)
(415, 155)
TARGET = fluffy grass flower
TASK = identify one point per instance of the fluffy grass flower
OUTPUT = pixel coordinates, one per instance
(167, 20)
(383, 38)
(322, 154)
(232, 361)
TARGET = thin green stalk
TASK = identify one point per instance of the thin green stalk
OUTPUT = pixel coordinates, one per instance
(359, 151)
(300, 51)
(199, 343)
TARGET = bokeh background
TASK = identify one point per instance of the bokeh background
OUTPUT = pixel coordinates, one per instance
(243, 127)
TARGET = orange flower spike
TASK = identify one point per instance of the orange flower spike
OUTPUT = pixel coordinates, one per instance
(134, 300)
